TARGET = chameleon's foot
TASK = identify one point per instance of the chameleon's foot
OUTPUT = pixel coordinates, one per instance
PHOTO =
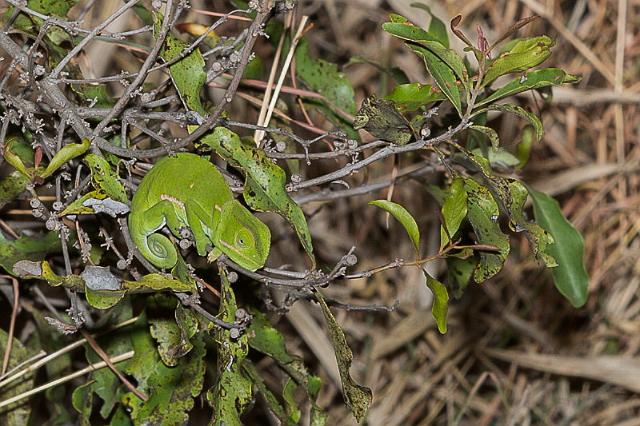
(213, 255)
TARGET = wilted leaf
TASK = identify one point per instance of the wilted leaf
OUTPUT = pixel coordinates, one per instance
(171, 390)
(570, 276)
(442, 74)
(232, 392)
(188, 73)
(440, 304)
(404, 217)
(265, 181)
(323, 77)
(27, 248)
(382, 119)
(534, 80)
(95, 202)
(483, 215)
(358, 398)
(412, 96)
(489, 133)
(454, 210)
(17, 413)
(519, 56)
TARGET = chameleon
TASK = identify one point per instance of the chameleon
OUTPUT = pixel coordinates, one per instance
(187, 191)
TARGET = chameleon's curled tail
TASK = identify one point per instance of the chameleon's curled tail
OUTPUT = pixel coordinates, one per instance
(159, 250)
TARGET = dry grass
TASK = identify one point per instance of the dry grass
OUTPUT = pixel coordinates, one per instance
(516, 353)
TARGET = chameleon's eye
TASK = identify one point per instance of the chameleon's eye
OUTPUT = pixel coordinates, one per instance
(244, 239)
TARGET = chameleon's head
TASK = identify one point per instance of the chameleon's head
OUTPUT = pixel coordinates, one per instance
(242, 236)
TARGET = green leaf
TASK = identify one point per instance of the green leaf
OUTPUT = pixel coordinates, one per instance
(27, 248)
(404, 217)
(18, 413)
(454, 210)
(260, 386)
(410, 32)
(490, 133)
(173, 340)
(483, 214)
(382, 119)
(440, 304)
(442, 74)
(104, 383)
(105, 179)
(12, 186)
(291, 406)
(437, 28)
(232, 392)
(323, 77)
(52, 7)
(402, 28)
(265, 181)
(171, 390)
(358, 398)
(570, 276)
(413, 96)
(534, 120)
(95, 95)
(523, 150)
(188, 73)
(264, 338)
(66, 153)
(459, 273)
(522, 55)
(534, 80)
(82, 401)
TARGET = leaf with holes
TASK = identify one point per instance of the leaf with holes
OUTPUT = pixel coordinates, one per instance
(265, 181)
(483, 214)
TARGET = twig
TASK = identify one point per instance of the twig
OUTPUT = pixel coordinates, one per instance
(12, 324)
(59, 353)
(105, 357)
(93, 367)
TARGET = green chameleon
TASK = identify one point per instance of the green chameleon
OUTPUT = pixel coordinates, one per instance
(187, 191)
